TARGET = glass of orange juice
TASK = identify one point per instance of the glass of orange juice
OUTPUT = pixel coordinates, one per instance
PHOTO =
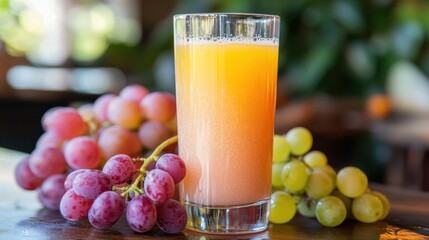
(226, 78)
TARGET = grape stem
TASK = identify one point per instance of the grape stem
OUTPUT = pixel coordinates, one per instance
(308, 166)
(153, 157)
(115, 188)
(94, 126)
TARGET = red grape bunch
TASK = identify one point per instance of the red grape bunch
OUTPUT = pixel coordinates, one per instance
(144, 194)
(88, 162)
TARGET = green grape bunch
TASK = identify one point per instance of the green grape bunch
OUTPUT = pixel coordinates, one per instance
(304, 182)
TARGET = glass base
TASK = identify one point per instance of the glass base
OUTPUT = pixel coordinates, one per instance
(242, 219)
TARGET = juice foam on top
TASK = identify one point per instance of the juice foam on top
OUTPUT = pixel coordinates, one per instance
(184, 41)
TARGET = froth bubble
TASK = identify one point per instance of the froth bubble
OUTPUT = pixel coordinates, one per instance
(226, 40)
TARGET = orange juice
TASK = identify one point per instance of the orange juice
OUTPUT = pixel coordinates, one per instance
(226, 101)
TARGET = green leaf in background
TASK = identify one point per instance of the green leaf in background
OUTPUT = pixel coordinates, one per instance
(410, 10)
(407, 39)
(425, 17)
(347, 13)
(382, 3)
(338, 47)
(4, 4)
(315, 66)
(425, 62)
(164, 72)
(360, 59)
(235, 6)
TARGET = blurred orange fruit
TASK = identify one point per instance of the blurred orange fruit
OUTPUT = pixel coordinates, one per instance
(378, 105)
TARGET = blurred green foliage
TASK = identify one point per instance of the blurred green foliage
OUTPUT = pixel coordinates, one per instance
(332, 47)
(26, 27)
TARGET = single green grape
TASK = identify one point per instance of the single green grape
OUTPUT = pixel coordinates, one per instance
(282, 207)
(281, 149)
(352, 182)
(307, 207)
(328, 169)
(276, 177)
(315, 159)
(385, 202)
(300, 140)
(347, 201)
(330, 211)
(294, 176)
(319, 185)
(367, 208)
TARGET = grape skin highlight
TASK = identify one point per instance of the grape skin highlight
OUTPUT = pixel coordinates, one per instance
(173, 165)
(65, 121)
(159, 186)
(319, 185)
(281, 149)
(158, 106)
(115, 140)
(282, 207)
(351, 182)
(300, 140)
(106, 210)
(276, 177)
(347, 201)
(384, 201)
(49, 138)
(367, 208)
(68, 183)
(51, 191)
(294, 176)
(119, 168)
(328, 170)
(90, 184)
(134, 92)
(82, 152)
(101, 105)
(330, 211)
(153, 133)
(141, 214)
(74, 207)
(124, 112)
(47, 161)
(171, 216)
(315, 159)
(25, 177)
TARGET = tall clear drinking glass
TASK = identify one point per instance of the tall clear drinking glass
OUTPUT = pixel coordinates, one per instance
(226, 78)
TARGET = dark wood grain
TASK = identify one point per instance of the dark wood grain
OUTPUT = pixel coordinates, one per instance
(22, 217)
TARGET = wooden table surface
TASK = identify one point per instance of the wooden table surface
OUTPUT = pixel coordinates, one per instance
(22, 217)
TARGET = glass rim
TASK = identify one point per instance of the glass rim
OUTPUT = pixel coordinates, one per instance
(227, 14)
